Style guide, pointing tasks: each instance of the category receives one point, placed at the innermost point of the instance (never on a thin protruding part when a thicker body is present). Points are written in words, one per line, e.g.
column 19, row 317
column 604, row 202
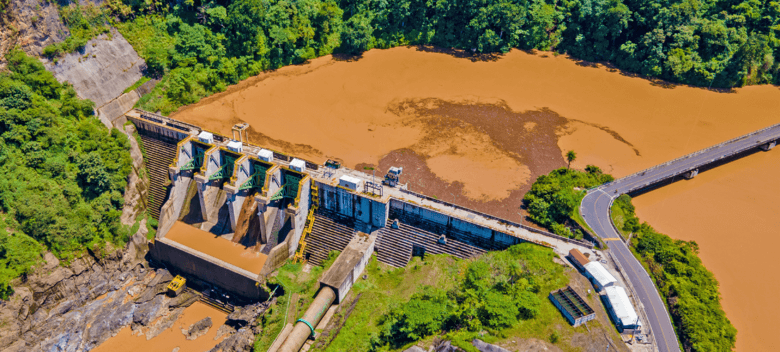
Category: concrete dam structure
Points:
column 231, row 213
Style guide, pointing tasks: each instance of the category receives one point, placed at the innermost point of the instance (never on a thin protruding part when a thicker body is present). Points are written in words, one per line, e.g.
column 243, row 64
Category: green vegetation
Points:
column 554, row 198
column 623, row 216
column 137, row 84
column 501, row 293
column 200, row 47
column 62, row 174
column 691, row 291
column 84, row 23
column 299, row 291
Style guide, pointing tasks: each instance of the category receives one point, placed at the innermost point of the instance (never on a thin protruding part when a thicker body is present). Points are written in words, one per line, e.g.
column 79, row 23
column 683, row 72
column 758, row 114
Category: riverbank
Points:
column 368, row 112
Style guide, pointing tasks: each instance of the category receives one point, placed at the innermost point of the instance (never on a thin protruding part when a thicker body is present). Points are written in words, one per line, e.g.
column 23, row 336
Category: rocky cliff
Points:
column 32, row 25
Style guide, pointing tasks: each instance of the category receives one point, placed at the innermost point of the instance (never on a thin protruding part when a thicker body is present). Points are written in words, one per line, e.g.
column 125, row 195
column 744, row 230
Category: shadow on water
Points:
column 702, row 169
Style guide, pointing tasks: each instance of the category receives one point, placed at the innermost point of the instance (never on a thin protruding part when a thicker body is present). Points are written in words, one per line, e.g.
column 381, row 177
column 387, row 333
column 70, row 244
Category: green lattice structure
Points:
column 226, row 170
column 196, row 162
column 256, row 180
column 291, row 186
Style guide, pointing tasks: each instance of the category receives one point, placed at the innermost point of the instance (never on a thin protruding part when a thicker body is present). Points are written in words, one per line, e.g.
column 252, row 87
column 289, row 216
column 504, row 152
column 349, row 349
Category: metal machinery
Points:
column 257, row 179
column 177, row 285
column 289, row 189
column 315, row 202
column 226, row 170
column 198, row 153
column 393, row 176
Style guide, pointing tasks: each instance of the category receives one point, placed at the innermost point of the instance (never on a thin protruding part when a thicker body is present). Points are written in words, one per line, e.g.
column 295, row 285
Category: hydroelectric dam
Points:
column 230, row 213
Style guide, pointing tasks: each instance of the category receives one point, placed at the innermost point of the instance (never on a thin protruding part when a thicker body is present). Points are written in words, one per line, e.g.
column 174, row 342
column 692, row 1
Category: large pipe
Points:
column 313, row 315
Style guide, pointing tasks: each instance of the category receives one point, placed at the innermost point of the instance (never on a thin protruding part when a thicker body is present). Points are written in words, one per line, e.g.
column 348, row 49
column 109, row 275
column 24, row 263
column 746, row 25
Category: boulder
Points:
column 199, row 329
column 146, row 312
column 414, row 349
column 241, row 341
column 486, row 347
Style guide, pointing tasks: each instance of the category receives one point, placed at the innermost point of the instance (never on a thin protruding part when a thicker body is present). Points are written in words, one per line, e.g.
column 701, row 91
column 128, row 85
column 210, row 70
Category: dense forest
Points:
column 690, row 290
column 62, row 173
column 199, row 47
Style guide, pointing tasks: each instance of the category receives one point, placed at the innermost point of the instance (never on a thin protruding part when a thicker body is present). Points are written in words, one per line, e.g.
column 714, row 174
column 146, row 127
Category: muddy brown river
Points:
column 478, row 133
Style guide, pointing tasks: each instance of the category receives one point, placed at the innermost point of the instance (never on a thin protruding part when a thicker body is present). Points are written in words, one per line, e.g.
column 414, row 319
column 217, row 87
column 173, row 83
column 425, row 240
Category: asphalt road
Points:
column 596, row 205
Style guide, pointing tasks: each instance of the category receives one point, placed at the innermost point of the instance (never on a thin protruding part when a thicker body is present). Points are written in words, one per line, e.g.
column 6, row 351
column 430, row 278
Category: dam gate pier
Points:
column 234, row 212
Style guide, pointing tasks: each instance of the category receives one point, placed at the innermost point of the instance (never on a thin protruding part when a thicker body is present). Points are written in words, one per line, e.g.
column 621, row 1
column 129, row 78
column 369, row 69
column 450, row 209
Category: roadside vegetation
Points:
column 498, row 295
column 200, row 47
column 690, row 290
column 62, row 173
column 554, row 198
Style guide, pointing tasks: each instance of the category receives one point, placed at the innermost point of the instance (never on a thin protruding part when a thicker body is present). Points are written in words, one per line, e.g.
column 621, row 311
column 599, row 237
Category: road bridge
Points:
column 595, row 209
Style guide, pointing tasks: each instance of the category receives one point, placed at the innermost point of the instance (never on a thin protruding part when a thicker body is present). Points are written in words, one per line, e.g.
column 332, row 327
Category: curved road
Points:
column 595, row 208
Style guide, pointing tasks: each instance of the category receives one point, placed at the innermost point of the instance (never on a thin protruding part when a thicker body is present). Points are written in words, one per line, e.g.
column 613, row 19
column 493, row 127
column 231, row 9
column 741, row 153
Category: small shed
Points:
column 620, row 308
column 599, row 275
column 206, row 137
column 578, row 259
column 265, row 155
column 349, row 265
column 298, row 165
column 573, row 307
column 236, row 146
column 350, row 182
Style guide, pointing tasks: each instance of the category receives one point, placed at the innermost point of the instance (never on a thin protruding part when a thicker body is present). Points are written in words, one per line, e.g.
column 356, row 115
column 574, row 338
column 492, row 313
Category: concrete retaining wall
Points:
column 365, row 209
column 170, row 211
column 214, row 271
column 442, row 221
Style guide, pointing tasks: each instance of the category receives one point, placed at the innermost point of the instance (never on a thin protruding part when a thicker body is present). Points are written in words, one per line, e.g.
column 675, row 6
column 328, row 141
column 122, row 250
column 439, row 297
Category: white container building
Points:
column 298, row 165
column 621, row 309
column 236, row 146
column 206, row 137
column 599, row 275
column 350, row 182
column 265, row 155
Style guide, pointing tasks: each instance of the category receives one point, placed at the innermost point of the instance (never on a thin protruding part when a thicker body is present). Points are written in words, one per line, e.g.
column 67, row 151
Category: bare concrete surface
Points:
column 102, row 70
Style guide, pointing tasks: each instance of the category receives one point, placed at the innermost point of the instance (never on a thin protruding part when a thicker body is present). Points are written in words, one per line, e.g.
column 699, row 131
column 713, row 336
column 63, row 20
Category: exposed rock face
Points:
column 102, row 69
column 31, row 24
column 242, row 328
column 414, row 349
column 198, row 329
column 56, row 308
column 486, row 347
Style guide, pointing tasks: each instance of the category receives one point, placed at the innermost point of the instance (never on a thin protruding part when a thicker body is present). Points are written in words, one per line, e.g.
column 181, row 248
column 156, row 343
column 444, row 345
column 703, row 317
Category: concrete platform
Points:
column 233, row 253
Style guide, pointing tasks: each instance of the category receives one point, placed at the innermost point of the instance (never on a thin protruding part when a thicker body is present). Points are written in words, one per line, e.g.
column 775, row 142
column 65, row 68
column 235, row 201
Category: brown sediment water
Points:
column 477, row 133
column 732, row 213
column 243, row 257
column 168, row 340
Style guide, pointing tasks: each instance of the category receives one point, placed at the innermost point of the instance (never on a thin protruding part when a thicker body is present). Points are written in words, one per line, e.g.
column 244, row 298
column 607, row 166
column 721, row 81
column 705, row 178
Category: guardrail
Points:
column 701, row 152
column 182, row 126
column 491, row 217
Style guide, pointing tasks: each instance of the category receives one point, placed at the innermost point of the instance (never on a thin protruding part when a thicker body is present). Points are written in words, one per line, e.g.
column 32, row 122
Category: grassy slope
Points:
column 385, row 286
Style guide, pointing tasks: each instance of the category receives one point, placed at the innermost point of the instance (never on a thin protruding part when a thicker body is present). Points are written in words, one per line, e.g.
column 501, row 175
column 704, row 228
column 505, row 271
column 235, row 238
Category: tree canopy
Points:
column 62, row 173
column 199, row 47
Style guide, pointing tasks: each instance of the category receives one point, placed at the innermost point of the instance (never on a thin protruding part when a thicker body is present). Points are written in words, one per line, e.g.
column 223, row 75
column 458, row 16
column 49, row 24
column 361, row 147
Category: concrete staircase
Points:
column 394, row 246
column 159, row 155
column 424, row 226
column 330, row 233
